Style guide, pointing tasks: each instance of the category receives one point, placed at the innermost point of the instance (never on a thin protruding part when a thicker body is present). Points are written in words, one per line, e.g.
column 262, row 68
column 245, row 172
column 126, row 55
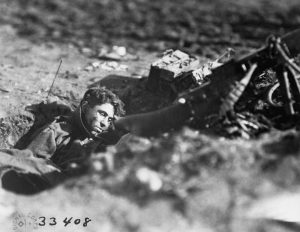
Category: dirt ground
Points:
column 198, row 182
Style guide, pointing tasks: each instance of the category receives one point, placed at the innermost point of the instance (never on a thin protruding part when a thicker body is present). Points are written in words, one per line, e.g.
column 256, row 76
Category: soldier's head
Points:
column 99, row 107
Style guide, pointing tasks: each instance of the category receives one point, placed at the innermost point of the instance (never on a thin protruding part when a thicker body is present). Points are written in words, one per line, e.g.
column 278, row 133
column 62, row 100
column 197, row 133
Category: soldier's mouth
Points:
column 98, row 130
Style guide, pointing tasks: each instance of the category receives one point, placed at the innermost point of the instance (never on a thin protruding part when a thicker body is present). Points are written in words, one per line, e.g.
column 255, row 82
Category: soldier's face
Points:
column 99, row 117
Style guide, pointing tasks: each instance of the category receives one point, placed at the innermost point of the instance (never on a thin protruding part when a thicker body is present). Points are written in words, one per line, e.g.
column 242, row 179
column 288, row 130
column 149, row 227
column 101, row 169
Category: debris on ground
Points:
column 282, row 207
column 92, row 66
column 199, row 74
column 68, row 75
column 4, row 90
column 116, row 53
column 12, row 128
column 106, row 65
column 149, row 178
column 242, row 125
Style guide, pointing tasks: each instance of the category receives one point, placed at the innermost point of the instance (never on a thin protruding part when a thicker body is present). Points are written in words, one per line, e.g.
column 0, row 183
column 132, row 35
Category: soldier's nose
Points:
column 104, row 123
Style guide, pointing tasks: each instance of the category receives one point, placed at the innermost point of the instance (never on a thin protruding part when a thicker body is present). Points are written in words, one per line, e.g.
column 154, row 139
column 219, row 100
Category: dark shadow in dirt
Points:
column 12, row 128
column 26, row 184
column 29, row 184
column 287, row 145
column 116, row 82
column 290, row 226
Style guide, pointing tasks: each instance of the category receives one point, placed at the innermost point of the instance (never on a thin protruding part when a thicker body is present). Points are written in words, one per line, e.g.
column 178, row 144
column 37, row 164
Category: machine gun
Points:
column 225, row 86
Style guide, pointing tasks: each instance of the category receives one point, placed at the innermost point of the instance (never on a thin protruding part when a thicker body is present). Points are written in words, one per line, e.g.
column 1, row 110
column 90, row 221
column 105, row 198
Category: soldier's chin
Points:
column 95, row 133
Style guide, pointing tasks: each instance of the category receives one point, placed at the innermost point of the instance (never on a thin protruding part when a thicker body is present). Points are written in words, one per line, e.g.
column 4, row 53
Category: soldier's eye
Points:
column 102, row 113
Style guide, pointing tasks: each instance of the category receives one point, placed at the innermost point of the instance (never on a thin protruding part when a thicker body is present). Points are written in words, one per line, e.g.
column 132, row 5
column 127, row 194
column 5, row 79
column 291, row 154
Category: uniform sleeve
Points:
column 35, row 158
column 44, row 144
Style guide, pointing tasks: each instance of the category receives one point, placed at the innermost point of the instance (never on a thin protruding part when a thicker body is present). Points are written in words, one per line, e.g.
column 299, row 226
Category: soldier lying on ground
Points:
column 64, row 144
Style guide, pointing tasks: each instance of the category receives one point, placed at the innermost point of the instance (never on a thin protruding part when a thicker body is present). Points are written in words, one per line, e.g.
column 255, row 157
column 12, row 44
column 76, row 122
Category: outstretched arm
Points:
column 152, row 123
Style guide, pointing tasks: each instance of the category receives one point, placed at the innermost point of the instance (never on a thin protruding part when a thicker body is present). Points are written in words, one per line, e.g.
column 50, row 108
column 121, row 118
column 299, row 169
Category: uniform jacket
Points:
column 65, row 143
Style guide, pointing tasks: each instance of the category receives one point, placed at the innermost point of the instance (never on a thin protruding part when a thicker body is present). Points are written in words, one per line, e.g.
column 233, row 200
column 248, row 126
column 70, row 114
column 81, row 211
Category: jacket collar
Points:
column 78, row 122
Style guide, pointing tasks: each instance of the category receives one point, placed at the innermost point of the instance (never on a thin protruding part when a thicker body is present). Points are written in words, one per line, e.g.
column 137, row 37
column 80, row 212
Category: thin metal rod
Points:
column 54, row 78
column 287, row 59
column 229, row 50
column 285, row 89
column 294, row 84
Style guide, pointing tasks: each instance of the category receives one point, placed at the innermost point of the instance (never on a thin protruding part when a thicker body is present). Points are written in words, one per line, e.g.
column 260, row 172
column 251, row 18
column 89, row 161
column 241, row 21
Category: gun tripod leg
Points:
column 285, row 89
column 294, row 84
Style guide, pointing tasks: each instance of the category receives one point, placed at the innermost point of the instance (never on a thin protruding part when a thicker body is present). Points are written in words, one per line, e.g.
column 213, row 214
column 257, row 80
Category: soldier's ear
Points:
column 84, row 105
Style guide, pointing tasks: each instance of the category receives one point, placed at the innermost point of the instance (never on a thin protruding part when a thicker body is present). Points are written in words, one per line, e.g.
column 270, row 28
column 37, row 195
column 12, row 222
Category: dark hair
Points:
column 101, row 95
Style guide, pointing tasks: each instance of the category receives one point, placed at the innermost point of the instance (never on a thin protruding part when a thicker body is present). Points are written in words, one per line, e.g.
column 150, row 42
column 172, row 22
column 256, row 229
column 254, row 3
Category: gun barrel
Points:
column 153, row 123
column 292, row 40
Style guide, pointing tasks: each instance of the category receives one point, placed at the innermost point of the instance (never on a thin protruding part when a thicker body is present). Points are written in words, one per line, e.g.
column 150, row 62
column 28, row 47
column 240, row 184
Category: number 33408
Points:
column 52, row 221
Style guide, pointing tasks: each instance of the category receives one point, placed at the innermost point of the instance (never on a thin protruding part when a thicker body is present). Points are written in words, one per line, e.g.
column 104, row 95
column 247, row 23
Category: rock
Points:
column 149, row 178
column 283, row 207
